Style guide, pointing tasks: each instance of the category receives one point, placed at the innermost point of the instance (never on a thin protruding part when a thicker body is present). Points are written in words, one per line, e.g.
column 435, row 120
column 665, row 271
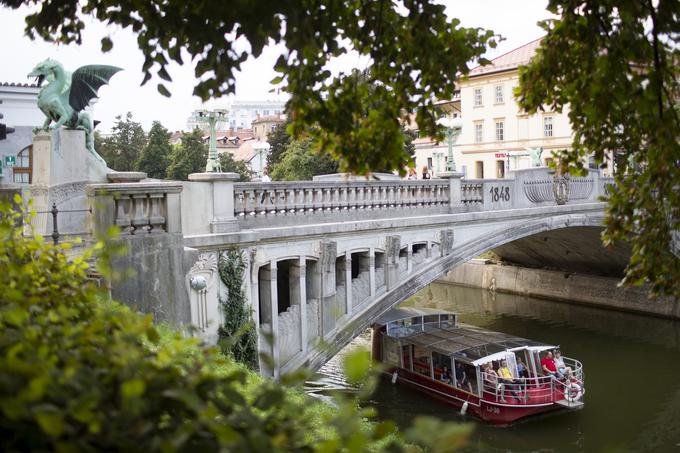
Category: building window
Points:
column 21, row 173
column 429, row 162
column 499, row 131
column 548, row 161
column 479, row 132
column 479, row 165
column 547, row 126
column 500, row 169
column 478, row 97
column 265, row 113
column 499, row 94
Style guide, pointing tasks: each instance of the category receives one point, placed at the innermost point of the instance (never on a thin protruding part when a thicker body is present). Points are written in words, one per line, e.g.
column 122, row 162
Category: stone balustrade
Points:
column 323, row 198
column 137, row 208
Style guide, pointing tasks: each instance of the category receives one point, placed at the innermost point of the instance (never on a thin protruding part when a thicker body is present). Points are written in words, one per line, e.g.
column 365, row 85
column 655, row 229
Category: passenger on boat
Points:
column 461, row 377
column 491, row 380
column 521, row 369
column 507, row 379
column 445, row 376
column 548, row 365
column 562, row 369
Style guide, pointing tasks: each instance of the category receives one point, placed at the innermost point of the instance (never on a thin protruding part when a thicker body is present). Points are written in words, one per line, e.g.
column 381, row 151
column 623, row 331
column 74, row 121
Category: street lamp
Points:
column 261, row 148
column 211, row 118
column 454, row 126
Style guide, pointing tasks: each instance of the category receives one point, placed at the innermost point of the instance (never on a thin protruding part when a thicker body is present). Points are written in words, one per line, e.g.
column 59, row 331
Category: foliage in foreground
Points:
column 615, row 64
column 79, row 373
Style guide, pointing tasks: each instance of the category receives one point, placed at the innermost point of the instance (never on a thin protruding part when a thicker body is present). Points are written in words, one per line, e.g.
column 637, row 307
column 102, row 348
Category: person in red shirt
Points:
column 548, row 364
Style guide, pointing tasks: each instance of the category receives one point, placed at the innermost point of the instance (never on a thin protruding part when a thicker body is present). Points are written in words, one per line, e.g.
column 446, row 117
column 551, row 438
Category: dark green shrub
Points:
column 81, row 373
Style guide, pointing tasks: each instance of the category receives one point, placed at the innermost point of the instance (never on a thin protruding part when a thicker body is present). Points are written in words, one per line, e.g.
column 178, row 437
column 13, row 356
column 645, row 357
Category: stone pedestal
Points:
column 62, row 168
column 221, row 199
column 455, row 200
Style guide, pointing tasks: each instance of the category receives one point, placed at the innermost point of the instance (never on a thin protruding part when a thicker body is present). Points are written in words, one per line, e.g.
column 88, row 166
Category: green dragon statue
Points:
column 63, row 99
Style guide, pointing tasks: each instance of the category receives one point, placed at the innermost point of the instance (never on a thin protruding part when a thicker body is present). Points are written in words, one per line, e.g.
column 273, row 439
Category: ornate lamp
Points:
column 211, row 118
column 454, row 126
column 261, row 148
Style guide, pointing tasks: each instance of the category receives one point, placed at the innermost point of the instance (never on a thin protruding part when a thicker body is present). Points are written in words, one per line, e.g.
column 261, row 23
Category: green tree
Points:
column 189, row 157
column 615, row 64
column 417, row 52
column 229, row 164
column 301, row 163
column 278, row 139
column 122, row 148
column 82, row 373
column 155, row 156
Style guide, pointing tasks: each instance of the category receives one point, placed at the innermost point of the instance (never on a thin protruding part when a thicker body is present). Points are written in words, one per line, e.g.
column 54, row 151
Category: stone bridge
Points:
column 325, row 258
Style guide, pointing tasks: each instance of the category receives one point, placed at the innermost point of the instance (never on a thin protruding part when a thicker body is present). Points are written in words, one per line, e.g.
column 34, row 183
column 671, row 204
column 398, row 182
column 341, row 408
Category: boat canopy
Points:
column 438, row 331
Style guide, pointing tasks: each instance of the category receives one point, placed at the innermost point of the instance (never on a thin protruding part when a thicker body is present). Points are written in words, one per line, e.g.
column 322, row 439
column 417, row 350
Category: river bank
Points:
column 591, row 290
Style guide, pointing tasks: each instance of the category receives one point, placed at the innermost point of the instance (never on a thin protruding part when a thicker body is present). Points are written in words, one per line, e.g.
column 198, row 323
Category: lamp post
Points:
column 454, row 126
column 211, row 118
column 261, row 148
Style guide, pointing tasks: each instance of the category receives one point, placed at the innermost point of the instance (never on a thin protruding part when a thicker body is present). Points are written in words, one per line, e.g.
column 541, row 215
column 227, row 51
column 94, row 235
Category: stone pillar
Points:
column 328, row 255
column 221, row 200
column 455, row 200
column 274, row 295
column 409, row 258
column 392, row 248
column 445, row 242
column 298, row 296
column 371, row 271
column 348, row 283
column 62, row 168
column 429, row 250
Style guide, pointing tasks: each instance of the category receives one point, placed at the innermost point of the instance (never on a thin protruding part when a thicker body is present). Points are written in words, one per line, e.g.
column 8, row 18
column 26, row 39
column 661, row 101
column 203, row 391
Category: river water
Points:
column 632, row 375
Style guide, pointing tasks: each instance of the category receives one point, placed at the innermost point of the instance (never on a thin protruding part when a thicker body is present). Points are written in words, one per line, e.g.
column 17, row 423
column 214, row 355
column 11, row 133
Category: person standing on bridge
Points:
column 426, row 172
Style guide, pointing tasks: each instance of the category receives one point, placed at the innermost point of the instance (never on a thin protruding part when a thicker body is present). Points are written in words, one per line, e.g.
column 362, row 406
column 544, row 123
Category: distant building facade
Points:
column 496, row 133
column 241, row 114
column 20, row 114
column 263, row 125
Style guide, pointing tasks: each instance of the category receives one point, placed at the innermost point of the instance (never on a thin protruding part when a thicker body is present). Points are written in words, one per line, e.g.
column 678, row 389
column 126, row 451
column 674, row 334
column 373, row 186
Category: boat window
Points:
column 421, row 361
column 390, row 351
column 431, row 319
column 439, row 361
column 447, row 321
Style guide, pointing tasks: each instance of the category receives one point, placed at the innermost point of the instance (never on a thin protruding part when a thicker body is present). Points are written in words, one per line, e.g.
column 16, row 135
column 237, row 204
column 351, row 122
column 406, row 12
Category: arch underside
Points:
column 565, row 242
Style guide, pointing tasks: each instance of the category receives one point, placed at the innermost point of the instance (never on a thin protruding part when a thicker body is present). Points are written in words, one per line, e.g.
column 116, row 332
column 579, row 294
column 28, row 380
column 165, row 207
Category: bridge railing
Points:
column 137, row 208
column 320, row 199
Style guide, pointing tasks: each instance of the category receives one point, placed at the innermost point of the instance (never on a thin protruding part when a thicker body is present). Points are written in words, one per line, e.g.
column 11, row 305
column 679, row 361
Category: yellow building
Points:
column 496, row 132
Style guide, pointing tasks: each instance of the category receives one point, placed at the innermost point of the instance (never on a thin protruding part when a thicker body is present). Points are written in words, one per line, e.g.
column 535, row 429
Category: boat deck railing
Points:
column 536, row 390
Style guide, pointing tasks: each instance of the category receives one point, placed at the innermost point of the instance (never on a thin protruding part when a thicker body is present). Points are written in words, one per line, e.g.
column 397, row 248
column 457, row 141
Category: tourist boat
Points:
column 416, row 345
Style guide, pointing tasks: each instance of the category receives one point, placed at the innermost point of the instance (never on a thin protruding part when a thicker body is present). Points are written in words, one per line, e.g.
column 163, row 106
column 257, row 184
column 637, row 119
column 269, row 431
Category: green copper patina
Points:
column 63, row 99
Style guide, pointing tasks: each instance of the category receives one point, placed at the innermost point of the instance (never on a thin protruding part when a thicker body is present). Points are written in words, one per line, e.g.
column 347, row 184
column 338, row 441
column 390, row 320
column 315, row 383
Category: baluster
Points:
column 250, row 203
column 124, row 213
column 157, row 202
column 140, row 219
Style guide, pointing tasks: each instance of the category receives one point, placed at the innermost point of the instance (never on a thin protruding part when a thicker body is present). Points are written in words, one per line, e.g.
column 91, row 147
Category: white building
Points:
column 496, row 133
column 19, row 108
column 241, row 114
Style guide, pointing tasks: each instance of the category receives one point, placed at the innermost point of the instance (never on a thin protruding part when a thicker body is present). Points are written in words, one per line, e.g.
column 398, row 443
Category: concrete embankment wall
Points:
column 578, row 288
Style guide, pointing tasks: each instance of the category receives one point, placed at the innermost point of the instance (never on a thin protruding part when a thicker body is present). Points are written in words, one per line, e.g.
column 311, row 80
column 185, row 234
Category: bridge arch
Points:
column 436, row 268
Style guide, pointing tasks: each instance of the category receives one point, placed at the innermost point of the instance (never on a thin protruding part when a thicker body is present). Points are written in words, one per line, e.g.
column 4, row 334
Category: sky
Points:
column 515, row 20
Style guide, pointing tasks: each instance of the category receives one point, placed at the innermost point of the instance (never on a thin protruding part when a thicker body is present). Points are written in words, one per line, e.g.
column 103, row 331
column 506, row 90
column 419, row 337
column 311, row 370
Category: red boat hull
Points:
column 486, row 408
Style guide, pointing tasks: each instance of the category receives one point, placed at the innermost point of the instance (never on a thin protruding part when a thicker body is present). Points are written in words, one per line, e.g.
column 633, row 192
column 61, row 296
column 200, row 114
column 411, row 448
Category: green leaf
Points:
column 162, row 90
column 356, row 365
column 50, row 422
column 107, row 44
column 133, row 388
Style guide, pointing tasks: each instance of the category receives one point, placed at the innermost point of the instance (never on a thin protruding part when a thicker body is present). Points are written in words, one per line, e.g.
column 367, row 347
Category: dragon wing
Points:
column 85, row 83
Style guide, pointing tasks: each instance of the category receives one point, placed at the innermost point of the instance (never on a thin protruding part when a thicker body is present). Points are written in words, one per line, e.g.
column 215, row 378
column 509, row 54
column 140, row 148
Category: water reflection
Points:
column 632, row 366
